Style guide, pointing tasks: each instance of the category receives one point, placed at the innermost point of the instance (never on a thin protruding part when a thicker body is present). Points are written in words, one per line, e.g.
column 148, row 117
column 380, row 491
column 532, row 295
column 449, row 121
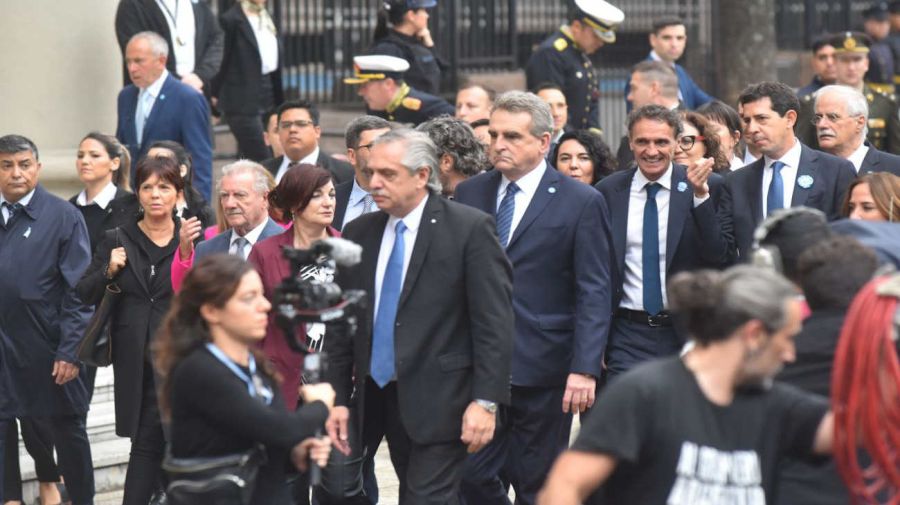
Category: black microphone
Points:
column 313, row 363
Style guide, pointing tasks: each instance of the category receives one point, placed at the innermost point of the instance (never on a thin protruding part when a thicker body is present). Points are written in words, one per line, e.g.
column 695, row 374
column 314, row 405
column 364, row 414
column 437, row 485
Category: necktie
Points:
column 653, row 302
column 381, row 366
column 140, row 115
column 505, row 213
column 368, row 202
column 775, row 198
column 240, row 245
column 11, row 210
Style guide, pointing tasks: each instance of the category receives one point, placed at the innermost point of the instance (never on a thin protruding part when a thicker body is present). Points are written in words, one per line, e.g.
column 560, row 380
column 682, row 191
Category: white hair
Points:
column 158, row 44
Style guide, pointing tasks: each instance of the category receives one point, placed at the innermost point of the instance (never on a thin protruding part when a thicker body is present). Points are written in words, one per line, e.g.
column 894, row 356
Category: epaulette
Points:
column 877, row 123
column 412, row 103
column 560, row 44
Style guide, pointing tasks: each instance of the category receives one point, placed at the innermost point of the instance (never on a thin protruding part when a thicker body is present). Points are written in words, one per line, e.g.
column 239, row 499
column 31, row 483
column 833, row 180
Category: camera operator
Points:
column 306, row 196
column 219, row 393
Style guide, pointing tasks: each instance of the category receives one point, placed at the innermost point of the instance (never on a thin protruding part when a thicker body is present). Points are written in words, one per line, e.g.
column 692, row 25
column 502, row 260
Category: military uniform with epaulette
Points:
column 413, row 106
column 559, row 61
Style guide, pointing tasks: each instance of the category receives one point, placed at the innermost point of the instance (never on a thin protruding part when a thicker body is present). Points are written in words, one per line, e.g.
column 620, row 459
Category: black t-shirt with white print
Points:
column 673, row 446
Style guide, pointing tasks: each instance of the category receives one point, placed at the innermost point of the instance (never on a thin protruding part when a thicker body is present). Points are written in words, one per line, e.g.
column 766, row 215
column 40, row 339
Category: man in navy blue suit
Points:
column 668, row 40
column 158, row 106
column 789, row 174
column 663, row 221
column 556, row 234
column 352, row 198
column 841, row 116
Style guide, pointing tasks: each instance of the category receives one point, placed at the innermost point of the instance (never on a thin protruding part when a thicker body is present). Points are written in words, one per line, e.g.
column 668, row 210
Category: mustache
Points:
column 826, row 131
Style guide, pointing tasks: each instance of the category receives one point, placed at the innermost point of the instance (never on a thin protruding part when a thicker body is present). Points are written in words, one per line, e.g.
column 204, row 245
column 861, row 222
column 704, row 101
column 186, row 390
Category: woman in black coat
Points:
column 218, row 392
column 249, row 80
column 137, row 257
column 402, row 31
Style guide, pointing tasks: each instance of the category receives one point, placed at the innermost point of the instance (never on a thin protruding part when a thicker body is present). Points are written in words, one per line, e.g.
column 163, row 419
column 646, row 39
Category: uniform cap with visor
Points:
column 602, row 16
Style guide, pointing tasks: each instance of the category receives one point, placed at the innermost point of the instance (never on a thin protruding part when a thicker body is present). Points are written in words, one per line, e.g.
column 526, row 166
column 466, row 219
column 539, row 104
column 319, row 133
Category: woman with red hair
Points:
column 866, row 394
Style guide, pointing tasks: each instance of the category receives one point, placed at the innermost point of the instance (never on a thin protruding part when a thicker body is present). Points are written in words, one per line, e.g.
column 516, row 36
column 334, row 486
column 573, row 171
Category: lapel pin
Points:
column 551, row 190
column 162, row 97
column 27, row 232
column 682, row 187
column 805, row 181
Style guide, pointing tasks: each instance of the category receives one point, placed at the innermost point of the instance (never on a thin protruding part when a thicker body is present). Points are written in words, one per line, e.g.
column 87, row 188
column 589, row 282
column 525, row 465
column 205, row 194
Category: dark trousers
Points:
column 69, row 435
column 632, row 343
column 248, row 131
column 530, row 434
column 342, row 478
column 429, row 474
column 144, row 476
column 39, row 443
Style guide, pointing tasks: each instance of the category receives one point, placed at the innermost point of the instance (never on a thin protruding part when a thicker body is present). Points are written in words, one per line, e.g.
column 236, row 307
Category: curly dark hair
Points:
column 605, row 162
column 455, row 137
column 711, row 143
column 212, row 281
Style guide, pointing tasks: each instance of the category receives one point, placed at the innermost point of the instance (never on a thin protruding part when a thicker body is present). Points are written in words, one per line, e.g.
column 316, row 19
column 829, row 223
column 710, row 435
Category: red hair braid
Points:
column 865, row 389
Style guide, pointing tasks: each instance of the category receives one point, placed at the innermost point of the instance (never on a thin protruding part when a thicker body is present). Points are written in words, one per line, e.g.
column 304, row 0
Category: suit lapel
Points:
column 618, row 205
column 755, row 189
column 130, row 133
column 870, row 161
column 158, row 104
column 680, row 203
column 806, row 168
column 431, row 215
column 545, row 192
column 371, row 244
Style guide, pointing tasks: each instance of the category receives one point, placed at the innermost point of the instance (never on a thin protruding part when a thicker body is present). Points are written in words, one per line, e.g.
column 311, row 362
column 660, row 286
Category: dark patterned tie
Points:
column 11, row 209
column 505, row 213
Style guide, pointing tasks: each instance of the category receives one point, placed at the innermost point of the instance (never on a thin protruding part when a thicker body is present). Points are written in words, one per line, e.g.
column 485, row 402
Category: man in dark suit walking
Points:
column 663, row 222
column 841, row 116
column 159, row 107
column 431, row 359
column 556, row 233
column 789, row 174
column 352, row 198
column 299, row 132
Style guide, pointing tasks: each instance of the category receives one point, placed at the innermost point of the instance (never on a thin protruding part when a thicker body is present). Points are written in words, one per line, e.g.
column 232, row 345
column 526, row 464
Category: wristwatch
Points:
column 487, row 405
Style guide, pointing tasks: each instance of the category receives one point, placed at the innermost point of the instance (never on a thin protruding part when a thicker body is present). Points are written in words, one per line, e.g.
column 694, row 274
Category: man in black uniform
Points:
column 386, row 94
column 823, row 66
column 881, row 60
column 563, row 59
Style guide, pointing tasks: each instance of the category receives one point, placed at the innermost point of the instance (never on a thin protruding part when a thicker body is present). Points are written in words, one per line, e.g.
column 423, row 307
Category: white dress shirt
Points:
column 24, row 201
column 791, row 160
column 633, row 286
column 106, row 195
column 858, row 156
column 146, row 99
column 267, row 43
column 252, row 237
column 181, row 28
column 528, row 185
column 736, row 163
column 356, row 203
column 412, row 222
column 310, row 158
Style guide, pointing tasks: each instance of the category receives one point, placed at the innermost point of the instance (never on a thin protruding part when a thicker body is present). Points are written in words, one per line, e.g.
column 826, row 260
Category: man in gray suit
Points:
column 242, row 190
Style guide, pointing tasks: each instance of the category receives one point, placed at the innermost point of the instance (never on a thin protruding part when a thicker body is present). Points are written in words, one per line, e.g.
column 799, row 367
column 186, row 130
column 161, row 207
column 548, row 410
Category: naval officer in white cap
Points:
column 381, row 85
column 563, row 59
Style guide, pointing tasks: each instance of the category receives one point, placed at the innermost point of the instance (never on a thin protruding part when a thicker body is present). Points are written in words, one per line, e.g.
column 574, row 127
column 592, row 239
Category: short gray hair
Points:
column 854, row 101
column 361, row 124
column 261, row 176
column 12, row 144
column 420, row 153
column 455, row 137
column 158, row 44
column 520, row 101
column 657, row 71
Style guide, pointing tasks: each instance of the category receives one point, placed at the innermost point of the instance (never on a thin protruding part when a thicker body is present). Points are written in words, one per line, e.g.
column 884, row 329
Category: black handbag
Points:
column 222, row 480
column 96, row 347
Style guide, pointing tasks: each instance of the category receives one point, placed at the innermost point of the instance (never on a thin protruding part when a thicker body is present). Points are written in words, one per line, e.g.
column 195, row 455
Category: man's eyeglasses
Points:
column 831, row 117
column 687, row 142
column 300, row 123
column 365, row 146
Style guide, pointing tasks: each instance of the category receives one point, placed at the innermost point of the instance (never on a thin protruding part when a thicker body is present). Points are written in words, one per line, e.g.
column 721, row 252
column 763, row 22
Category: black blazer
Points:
column 695, row 237
column 99, row 220
column 139, row 310
column 134, row 16
column 341, row 171
column 341, row 200
column 879, row 161
column 741, row 203
column 237, row 85
column 454, row 326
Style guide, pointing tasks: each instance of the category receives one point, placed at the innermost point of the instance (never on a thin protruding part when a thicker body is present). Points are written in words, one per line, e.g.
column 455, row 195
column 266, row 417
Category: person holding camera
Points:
column 219, row 393
column 306, row 196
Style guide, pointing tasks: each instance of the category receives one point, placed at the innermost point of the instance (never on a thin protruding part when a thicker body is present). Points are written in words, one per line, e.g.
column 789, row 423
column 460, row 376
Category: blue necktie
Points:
column 11, row 210
column 775, row 198
column 653, row 301
column 505, row 213
column 381, row 366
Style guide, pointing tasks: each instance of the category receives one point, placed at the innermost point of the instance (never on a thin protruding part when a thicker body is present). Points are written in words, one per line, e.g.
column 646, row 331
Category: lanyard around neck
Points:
column 254, row 384
column 174, row 17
